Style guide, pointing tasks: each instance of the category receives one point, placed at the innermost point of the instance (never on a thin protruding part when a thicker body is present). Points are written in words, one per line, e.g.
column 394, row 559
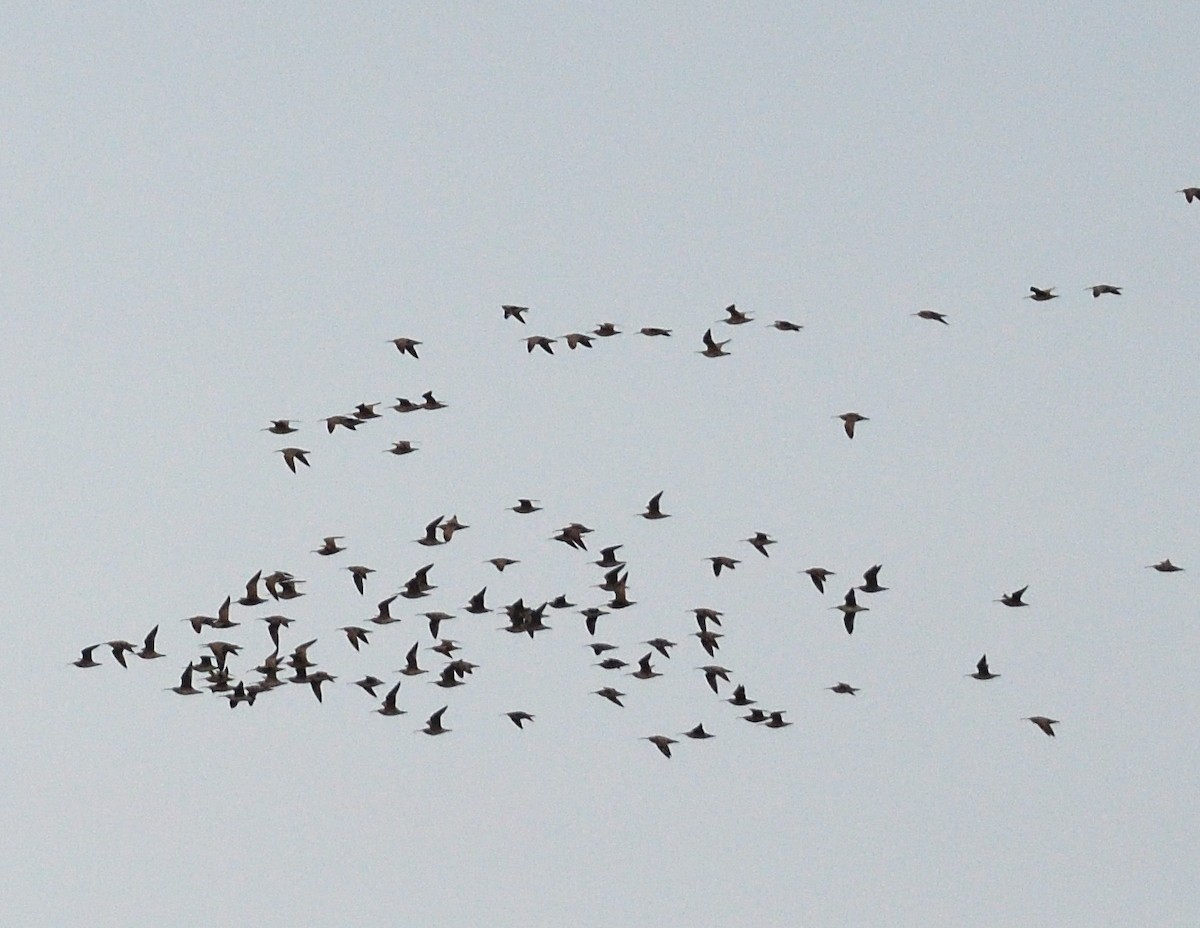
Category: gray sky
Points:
column 216, row 216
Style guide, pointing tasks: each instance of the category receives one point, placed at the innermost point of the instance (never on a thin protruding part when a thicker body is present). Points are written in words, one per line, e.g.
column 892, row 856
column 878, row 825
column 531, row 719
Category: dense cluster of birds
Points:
column 212, row 667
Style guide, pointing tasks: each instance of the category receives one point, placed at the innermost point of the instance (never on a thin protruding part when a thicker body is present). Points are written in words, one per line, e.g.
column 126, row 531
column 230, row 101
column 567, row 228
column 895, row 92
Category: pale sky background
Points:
column 217, row 215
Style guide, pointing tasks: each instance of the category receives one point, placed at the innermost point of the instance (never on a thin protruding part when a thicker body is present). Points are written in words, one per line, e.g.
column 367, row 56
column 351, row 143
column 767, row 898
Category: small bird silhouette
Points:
column 652, row 508
column 1014, row 598
column 281, row 427
column 698, row 733
column 714, row 349
column 1101, row 289
column 1041, row 295
column 405, row 345
column 818, row 575
column 849, row 609
column 434, row 725
column 849, row 419
column 1191, row 193
column 612, row 695
column 389, row 707
column 401, row 447
column 932, row 316
column 721, row 562
column 515, row 312
column 539, row 341
column 525, row 506
column 662, row 742
column 519, row 718
column 843, row 688
column 784, row 326
column 871, row 580
column 734, row 316
column 330, row 546
column 1043, row 723
column 761, row 540
column 292, row 455
column 1164, row 567
column 981, row 670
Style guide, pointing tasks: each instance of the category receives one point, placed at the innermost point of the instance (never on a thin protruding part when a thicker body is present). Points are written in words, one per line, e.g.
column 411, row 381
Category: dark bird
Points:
column 252, row 598
column 501, row 562
column 406, row 405
column 369, row 684
column 735, row 316
column 575, row 339
column 515, row 312
column 185, row 687
column 147, row 653
column 519, row 718
column 612, row 663
column 606, row 330
column 573, row 535
column 652, row 508
column 410, row 668
column 435, row 621
column 449, row 678
column 590, row 615
column 981, row 670
column 1014, row 598
column 849, row 609
column 932, row 316
column 661, row 645
column 359, row 573
column 645, row 671
column 446, row 647
column 120, row 649
column 431, row 402
column 281, row 427
column 608, row 557
column 739, row 697
column 1039, row 295
column 1191, row 193
column 405, row 345
column 600, row 647
column 364, row 411
column 430, row 537
column 274, row 623
column 401, row 447
column 475, row 604
column 1101, row 289
column 761, row 540
column 292, row 455
column 86, row 659
column 1164, row 567
column 698, row 732
column 871, row 580
column 539, row 341
column 662, row 742
column 355, row 635
column 784, row 326
column 1043, row 723
column 450, row 526
column 709, row 641
column 756, row 715
column 844, row 688
column 721, row 562
column 525, row 506
column 389, row 706
column 316, row 680
column 776, row 721
column 818, row 576
column 330, row 546
column 653, row 330
column 704, row 615
column 384, row 616
column 714, row 349
column 849, row 419
column 346, row 422
column 612, row 695
column 434, row 725
column 713, row 672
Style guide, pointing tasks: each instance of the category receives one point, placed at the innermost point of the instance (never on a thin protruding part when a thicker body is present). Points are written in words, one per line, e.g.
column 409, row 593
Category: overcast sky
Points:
column 218, row 215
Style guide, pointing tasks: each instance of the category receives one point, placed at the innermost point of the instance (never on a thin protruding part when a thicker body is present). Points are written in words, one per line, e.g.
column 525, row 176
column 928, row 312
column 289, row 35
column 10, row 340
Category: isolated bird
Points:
column 519, row 718
column 1164, row 567
column 843, row 688
column 645, row 671
column 120, row 649
column 600, row 647
column 389, row 706
column 818, row 576
column 849, row 609
column 434, row 725
column 871, row 580
column 761, row 540
column 403, row 404
column 849, row 419
column 515, row 312
column 662, row 742
column 475, row 604
column 274, row 623
column 292, row 455
column 1040, row 295
column 281, row 427
column 1191, row 193
column 721, row 562
column 735, row 316
column 652, row 508
column 612, row 695
column 430, row 537
column 401, row 447
column 525, row 506
column 369, row 683
column 714, row 349
column 435, row 621
column 981, row 670
column 405, row 345
column 383, row 615
column 330, row 546
column 709, row 641
column 784, row 326
column 86, row 659
column 1101, row 289
column 360, row 575
column 756, row 715
column 932, row 316
column 1014, row 598
column 1043, row 723
column 539, row 341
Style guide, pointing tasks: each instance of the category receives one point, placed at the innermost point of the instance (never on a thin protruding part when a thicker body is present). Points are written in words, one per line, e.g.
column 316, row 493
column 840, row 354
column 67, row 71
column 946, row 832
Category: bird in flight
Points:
column 519, row 718
column 1043, row 723
column 734, row 316
column 1191, row 193
column 871, row 580
column 849, row 609
column 721, row 562
column 849, row 419
column 761, row 540
column 515, row 312
column 292, row 455
column 714, row 349
column 932, row 316
column 434, row 725
column 1041, row 295
column 405, row 345
column 652, row 508
column 1101, row 289
column 818, row 576
column 281, row 427
column 784, row 326
column 662, row 742
column 1014, row 598
column 1164, row 567
column 330, row 546
column 844, row 688
column 982, row 672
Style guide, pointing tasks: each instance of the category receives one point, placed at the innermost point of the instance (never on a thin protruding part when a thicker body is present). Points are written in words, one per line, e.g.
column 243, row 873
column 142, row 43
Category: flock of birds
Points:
column 212, row 667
